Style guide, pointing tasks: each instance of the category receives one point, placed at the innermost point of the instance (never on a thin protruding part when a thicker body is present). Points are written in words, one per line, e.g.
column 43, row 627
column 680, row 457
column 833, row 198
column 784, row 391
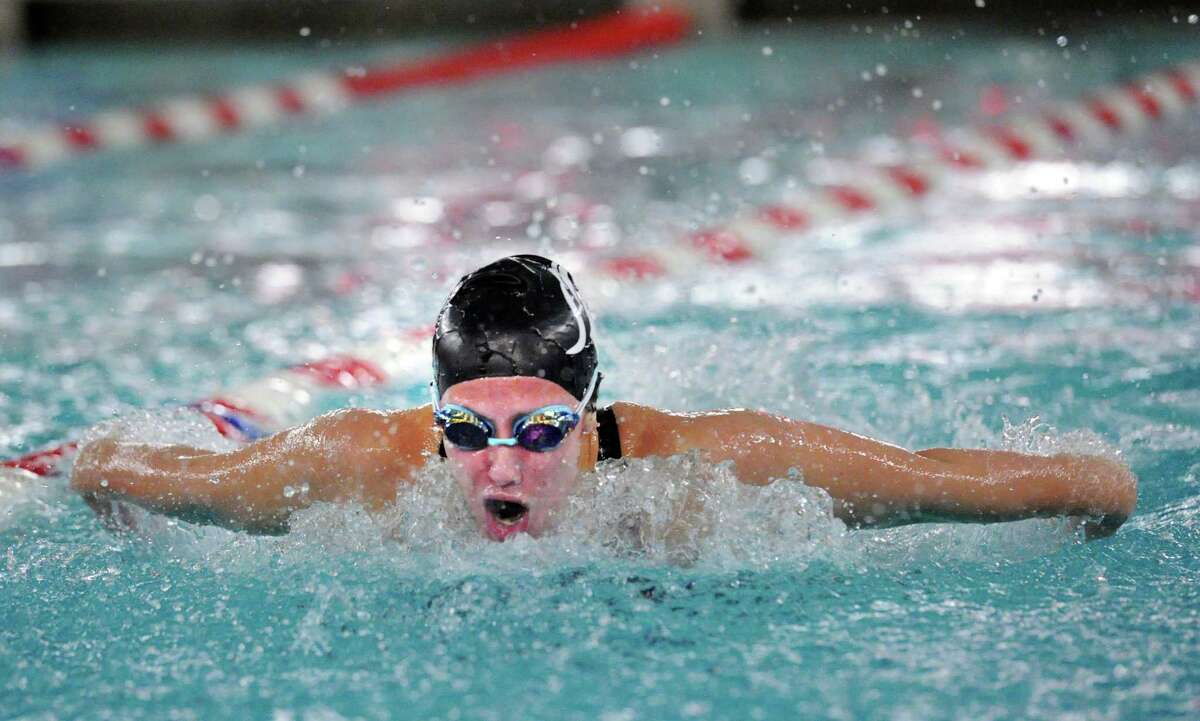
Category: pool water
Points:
column 1050, row 307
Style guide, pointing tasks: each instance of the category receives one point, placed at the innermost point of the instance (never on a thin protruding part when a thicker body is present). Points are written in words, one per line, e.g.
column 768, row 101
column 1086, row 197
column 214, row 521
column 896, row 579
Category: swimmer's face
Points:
column 510, row 489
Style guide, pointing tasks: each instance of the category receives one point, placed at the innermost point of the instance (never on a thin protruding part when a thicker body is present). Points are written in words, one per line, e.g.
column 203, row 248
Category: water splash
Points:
column 659, row 512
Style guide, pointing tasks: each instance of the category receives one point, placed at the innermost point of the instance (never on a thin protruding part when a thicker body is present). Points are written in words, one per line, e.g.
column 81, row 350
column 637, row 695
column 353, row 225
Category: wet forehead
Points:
column 503, row 398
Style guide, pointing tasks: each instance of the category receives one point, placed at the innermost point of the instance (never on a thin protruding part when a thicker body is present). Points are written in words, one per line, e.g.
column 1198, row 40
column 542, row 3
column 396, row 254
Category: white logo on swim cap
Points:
column 575, row 303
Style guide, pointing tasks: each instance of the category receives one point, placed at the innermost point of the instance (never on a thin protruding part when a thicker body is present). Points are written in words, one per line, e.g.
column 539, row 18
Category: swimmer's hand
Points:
column 93, row 487
column 1100, row 493
column 352, row 455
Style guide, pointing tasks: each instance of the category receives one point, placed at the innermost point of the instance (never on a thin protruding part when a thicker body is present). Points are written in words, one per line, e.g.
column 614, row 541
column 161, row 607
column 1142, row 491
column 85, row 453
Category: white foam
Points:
column 676, row 511
column 176, row 426
column 19, row 491
column 1039, row 438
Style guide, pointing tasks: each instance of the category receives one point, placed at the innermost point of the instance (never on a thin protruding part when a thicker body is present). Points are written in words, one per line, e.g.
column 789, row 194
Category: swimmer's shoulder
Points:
column 646, row 431
column 389, row 444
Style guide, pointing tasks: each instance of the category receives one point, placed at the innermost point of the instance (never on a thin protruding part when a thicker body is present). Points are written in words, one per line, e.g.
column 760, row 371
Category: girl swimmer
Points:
column 514, row 412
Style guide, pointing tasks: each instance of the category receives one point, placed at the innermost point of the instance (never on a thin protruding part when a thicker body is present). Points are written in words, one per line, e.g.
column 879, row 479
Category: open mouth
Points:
column 508, row 513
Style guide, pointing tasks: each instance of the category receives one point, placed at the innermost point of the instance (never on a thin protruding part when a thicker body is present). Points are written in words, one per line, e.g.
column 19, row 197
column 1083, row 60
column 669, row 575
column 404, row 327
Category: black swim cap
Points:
column 519, row 316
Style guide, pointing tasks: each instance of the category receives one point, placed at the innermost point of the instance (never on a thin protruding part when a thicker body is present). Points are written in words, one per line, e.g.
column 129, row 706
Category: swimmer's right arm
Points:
column 350, row 455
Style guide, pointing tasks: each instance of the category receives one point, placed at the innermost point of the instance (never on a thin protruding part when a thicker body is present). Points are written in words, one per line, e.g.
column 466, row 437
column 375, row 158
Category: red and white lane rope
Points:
column 201, row 117
column 1097, row 120
column 284, row 398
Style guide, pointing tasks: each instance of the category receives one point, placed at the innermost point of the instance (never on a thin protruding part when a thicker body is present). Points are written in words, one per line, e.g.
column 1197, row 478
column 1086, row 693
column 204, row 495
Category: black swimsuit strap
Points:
column 606, row 426
column 610, row 436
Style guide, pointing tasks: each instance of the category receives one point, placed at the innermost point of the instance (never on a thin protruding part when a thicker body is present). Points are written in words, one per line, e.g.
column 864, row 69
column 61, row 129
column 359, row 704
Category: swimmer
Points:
column 514, row 412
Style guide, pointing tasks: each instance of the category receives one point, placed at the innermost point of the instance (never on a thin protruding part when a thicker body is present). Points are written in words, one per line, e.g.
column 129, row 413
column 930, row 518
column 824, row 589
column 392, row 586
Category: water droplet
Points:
column 768, row 50
column 1062, row 41
column 289, row 492
column 664, row 101
column 305, row 32
column 880, row 69
column 104, row 483
column 207, row 208
column 1193, row 19
column 980, row 3
column 755, row 171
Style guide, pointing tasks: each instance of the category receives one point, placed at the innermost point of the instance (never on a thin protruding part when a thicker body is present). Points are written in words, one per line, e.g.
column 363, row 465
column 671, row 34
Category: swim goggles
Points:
column 539, row 431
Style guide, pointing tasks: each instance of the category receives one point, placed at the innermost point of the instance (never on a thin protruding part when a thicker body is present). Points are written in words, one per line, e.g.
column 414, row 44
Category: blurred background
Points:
column 39, row 21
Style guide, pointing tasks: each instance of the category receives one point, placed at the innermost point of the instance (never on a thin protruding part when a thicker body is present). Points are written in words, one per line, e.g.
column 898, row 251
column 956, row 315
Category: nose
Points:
column 505, row 465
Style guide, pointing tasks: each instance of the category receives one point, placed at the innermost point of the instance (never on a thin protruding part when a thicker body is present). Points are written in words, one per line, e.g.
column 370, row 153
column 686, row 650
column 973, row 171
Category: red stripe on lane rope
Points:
column 607, row 36
column 229, row 425
column 912, row 181
column 634, row 267
column 722, row 244
column 225, row 113
column 42, row 463
column 1182, row 84
column 783, row 217
column 962, row 158
column 1061, row 127
column 850, row 198
column 289, row 99
column 343, row 371
column 224, row 427
column 1104, row 113
column 1016, row 147
column 1192, row 290
column 219, row 405
column 11, row 157
column 1148, row 102
column 80, row 136
column 420, row 333
column 157, row 128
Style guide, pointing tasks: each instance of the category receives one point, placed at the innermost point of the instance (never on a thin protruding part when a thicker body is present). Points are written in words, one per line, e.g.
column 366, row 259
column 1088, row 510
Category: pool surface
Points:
column 1055, row 306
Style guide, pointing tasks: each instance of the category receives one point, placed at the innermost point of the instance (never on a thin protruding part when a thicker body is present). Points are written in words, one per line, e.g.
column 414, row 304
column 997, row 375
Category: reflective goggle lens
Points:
column 541, row 437
column 466, row 436
column 540, row 431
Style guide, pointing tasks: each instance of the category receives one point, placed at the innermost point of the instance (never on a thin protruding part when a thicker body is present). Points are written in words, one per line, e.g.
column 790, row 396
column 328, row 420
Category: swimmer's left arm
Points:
column 879, row 484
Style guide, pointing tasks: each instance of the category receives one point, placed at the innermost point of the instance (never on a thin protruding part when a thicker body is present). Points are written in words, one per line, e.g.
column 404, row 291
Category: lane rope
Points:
column 1094, row 121
column 200, row 117
column 284, row 398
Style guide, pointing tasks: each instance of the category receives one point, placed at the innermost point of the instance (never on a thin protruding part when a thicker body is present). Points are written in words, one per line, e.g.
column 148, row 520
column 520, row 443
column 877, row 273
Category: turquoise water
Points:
column 1039, row 309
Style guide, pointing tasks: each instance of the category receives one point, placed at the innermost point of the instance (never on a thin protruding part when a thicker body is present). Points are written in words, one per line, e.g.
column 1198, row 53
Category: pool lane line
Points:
column 199, row 117
column 284, row 398
column 1098, row 119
